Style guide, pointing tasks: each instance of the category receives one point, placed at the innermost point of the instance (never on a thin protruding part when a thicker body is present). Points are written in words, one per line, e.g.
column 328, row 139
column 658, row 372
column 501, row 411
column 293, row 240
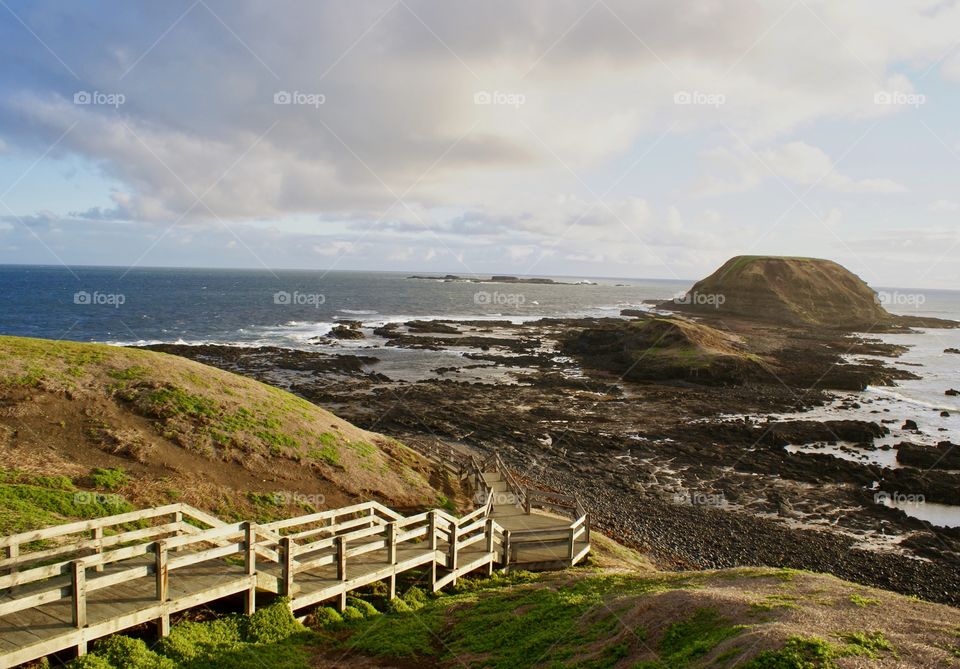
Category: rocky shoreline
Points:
column 702, row 487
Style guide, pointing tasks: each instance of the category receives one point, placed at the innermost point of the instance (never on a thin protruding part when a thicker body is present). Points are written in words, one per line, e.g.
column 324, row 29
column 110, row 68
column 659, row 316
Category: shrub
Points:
column 415, row 598
column 108, row 479
column 351, row 614
column 189, row 641
column 397, row 605
column 272, row 624
column 324, row 616
column 89, row 662
column 366, row 608
column 123, row 652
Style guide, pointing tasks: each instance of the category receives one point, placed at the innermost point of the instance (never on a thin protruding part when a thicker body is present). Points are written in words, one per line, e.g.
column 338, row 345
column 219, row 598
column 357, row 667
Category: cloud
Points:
column 382, row 148
column 797, row 162
column 944, row 207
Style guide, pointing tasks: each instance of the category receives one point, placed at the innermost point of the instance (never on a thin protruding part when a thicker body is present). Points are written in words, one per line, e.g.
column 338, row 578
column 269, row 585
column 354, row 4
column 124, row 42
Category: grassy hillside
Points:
column 808, row 291
column 656, row 348
column 175, row 430
column 748, row 618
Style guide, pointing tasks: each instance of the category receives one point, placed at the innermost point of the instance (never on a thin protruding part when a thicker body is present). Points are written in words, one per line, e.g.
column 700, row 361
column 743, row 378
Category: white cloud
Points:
column 945, row 207
column 796, row 162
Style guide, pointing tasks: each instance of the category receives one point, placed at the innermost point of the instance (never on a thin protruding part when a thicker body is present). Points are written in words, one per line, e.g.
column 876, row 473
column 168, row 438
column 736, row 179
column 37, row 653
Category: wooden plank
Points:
column 206, row 555
column 287, row 573
column 31, row 601
column 86, row 525
column 110, row 580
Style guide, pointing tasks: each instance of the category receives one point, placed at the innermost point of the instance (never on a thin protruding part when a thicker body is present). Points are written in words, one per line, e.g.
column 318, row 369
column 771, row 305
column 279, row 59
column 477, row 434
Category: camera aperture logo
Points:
column 499, row 299
column 298, row 299
column 700, row 98
column 286, row 497
column 898, row 299
column 901, row 98
column 502, row 98
column 697, row 498
column 715, row 300
column 898, row 499
column 97, row 298
column 99, row 98
column 299, row 98
column 85, row 497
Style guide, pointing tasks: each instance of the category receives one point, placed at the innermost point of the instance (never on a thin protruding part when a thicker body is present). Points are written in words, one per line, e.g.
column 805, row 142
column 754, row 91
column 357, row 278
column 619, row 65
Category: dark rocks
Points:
column 944, row 414
column 952, row 350
column 438, row 327
column 909, row 425
column 952, row 393
column 346, row 332
column 944, row 455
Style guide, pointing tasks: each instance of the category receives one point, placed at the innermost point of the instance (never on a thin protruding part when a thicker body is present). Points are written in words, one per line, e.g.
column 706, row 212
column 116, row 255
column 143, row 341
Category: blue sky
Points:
column 596, row 138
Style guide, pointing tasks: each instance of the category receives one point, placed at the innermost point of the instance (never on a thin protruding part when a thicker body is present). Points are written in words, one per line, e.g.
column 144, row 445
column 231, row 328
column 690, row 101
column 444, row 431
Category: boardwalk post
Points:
column 250, row 566
column 526, row 503
column 392, row 556
column 286, row 567
column 78, row 573
column 13, row 551
column 452, row 555
column 342, row 569
column 506, row 548
column 163, row 582
column 587, row 516
column 572, row 547
column 96, row 534
column 373, row 515
column 178, row 519
column 489, row 531
column 432, row 536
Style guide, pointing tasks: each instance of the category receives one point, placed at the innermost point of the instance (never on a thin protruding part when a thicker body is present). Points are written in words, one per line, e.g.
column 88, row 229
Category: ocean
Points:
column 282, row 308
column 294, row 308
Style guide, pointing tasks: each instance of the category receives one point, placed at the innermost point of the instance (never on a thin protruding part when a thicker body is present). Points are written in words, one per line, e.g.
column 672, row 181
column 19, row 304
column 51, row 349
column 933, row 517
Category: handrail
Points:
column 180, row 535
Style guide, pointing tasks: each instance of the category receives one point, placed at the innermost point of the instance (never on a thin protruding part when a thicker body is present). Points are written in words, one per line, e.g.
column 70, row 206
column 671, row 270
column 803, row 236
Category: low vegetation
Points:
column 584, row 618
column 143, row 423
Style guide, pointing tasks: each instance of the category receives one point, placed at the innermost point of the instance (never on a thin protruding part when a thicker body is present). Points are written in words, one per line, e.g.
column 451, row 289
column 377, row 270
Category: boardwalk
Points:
column 67, row 585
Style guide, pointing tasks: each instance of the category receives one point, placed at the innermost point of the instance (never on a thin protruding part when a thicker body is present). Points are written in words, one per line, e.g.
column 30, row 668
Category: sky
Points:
column 537, row 137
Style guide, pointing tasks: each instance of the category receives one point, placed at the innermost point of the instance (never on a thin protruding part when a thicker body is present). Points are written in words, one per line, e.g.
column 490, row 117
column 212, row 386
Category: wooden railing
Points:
column 73, row 561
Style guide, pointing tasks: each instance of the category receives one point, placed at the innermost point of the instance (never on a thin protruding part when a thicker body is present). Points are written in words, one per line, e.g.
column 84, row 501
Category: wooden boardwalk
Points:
column 67, row 585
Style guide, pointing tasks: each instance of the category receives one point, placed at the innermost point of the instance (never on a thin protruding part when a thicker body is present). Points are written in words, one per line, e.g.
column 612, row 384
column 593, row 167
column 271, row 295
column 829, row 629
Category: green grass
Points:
column 686, row 641
column 863, row 602
column 816, row 653
column 30, row 502
column 487, row 625
column 172, row 401
column 134, row 373
column 109, row 479
column 327, row 453
column 269, row 638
